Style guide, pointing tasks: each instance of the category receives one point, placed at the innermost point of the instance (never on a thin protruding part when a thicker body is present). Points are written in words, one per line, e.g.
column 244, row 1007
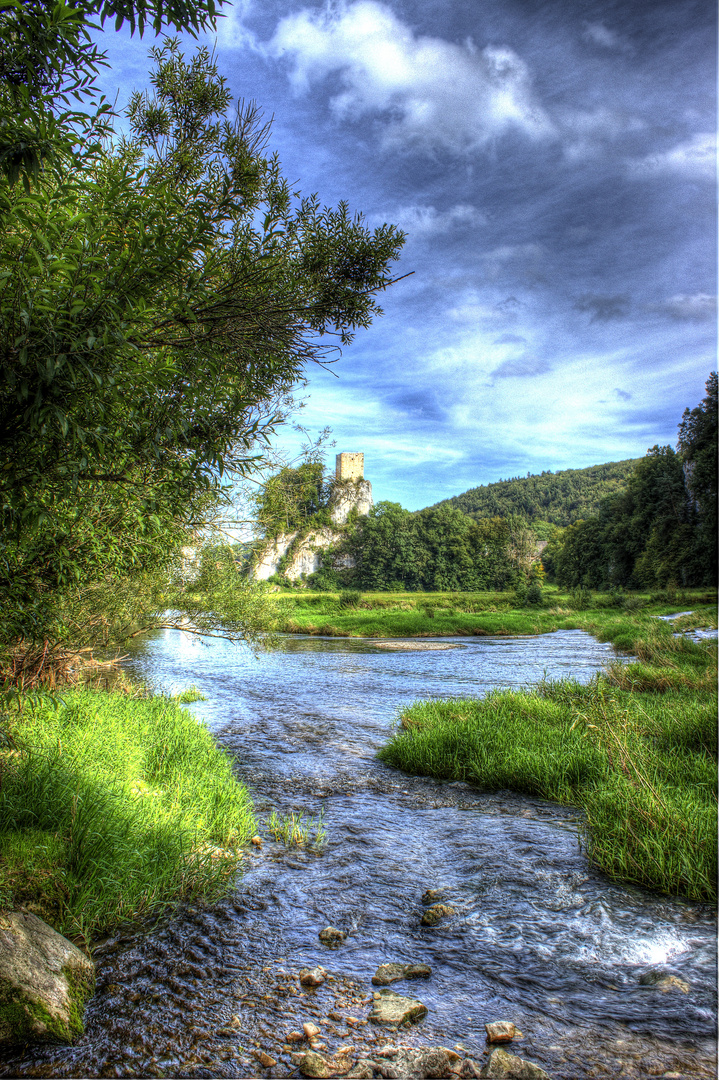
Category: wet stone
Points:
column 392, row 1008
column 313, row 976
column 662, row 980
column 433, row 896
column 264, row 1059
column 389, row 973
column 332, row 936
column 362, row 1070
column 313, row 1064
column 501, row 1031
column 504, row 1066
column 436, row 913
column 311, row 1030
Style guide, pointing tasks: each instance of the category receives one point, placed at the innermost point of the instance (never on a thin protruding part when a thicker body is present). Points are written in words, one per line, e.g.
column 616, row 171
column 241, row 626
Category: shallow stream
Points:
column 538, row 937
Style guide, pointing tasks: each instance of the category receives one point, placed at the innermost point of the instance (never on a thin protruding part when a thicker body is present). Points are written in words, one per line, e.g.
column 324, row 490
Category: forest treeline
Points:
column 559, row 498
column 654, row 525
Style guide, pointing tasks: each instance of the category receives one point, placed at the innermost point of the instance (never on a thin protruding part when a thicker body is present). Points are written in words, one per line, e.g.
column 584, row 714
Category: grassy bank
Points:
column 113, row 806
column 636, row 750
column 475, row 614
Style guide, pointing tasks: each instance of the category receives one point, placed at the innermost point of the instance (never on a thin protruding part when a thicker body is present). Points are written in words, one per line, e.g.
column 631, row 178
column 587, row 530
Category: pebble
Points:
column 310, row 1030
column 313, row 976
column 500, row 1031
column 332, row 936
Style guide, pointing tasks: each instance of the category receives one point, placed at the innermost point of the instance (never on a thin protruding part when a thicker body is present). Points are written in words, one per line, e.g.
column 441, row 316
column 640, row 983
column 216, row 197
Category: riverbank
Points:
column 113, row 807
column 636, row 750
column 499, row 614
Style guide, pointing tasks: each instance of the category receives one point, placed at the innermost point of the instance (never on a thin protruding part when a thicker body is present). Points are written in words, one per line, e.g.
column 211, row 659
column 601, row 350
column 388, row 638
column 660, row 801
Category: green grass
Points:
column 295, row 830
column 112, row 807
column 479, row 614
column 636, row 750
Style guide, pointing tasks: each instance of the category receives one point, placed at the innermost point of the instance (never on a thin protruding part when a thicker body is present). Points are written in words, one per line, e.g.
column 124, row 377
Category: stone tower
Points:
column 349, row 467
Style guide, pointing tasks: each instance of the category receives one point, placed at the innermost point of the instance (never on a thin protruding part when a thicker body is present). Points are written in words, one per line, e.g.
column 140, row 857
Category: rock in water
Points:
column 332, row 936
column 313, row 976
column 504, row 1066
column 432, row 896
column 313, row 1064
column 390, row 1008
column 45, row 982
column 389, row 973
column 501, row 1031
column 662, row 980
column 435, row 913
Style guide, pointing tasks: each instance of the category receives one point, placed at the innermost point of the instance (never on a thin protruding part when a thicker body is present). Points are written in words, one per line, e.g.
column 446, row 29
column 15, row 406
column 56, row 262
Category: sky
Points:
column 552, row 163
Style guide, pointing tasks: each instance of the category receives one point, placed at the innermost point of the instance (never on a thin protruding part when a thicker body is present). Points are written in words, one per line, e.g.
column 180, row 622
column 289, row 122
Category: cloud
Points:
column 603, row 308
column 431, row 93
column 695, row 158
column 525, row 367
column 421, row 222
column 510, row 339
column 623, row 395
column 699, row 306
column 596, row 33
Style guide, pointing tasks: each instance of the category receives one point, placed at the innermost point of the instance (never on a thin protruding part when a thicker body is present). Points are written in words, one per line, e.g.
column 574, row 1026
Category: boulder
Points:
column 45, row 982
column 436, row 913
column 504, row 1066
column 313, row 976
column 390, row 1008
column 362, row 1070
column 332, row 936
column 389, row 973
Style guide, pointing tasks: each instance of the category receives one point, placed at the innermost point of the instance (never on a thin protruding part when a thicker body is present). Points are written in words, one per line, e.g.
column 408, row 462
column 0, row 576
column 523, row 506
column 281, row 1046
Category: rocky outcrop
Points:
column 45, row 982
column 348, row 496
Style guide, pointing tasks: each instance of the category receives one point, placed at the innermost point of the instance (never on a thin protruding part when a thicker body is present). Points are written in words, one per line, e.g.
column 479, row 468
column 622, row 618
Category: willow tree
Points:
column 158, row 296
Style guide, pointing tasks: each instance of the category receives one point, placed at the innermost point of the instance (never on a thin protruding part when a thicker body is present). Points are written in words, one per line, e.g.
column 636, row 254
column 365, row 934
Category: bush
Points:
column 350, row 598
column 534, row 594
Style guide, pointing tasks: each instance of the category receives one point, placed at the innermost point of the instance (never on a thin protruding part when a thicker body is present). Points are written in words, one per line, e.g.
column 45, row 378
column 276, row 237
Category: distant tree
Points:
column 697, row 446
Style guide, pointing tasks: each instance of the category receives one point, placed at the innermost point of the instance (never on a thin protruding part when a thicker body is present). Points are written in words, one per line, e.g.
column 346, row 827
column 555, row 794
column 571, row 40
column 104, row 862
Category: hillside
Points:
column 559, row 498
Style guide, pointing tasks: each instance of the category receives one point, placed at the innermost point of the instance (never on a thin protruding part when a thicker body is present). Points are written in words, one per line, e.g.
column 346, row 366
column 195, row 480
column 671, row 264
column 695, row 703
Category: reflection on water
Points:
column 537, row 937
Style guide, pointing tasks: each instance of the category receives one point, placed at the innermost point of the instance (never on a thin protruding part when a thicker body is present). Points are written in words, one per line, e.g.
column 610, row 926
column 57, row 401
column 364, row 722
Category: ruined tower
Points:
column 349, row 467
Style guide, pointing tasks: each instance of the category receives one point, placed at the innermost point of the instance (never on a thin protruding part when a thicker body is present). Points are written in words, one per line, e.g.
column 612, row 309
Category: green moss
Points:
column 81, row 986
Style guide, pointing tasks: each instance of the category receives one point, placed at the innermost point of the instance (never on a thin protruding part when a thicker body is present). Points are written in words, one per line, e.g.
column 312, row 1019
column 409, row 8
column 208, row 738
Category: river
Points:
column 538, row 936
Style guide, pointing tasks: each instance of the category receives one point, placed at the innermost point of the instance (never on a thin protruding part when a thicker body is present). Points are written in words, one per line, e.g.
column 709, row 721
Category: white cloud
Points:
column 694, row 158
column 433, row 93
column 420, row 222
column 596, row 33
column 231, row 30
column 698, row 306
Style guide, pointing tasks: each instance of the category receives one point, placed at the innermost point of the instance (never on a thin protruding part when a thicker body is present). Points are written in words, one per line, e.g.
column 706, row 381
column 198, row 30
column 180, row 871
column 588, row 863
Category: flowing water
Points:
column 537, row 937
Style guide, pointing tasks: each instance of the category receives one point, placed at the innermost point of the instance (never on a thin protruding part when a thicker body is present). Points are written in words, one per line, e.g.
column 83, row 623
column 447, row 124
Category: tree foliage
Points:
column 559, row 498
column 662, row 529
column 156, row 303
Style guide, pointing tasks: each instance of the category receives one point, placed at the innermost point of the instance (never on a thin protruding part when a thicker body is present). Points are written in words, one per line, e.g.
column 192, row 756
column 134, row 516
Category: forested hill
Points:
column 560, row 498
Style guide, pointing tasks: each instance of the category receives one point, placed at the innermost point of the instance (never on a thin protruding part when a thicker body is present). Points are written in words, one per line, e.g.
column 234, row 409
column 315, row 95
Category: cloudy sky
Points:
column 553, row 165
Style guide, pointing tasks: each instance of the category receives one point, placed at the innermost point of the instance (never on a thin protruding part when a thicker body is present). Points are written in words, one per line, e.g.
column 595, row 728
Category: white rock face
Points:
column 306, row 558
column 348, row 495
column 266, row 564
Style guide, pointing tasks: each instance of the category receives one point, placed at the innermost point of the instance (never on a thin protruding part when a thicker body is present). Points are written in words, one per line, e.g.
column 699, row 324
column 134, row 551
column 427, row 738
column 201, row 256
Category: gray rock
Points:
column 389, row 973
column 332, row 936
column 362, row 1070
column 313, row 1064
column 45, row 982
column 662, row 980
column 436, row 913
column 504, row 1066
column 390, row 1008
column 419, row 1063
column 313, row 976
column 470, row 1069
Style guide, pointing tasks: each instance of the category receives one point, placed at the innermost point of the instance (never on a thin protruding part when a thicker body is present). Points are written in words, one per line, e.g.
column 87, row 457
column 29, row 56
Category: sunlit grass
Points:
column 296, row 830
column 112, row 807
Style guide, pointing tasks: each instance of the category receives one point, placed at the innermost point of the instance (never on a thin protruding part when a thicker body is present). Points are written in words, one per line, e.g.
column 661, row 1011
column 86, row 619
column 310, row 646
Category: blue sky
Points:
column 553, row 165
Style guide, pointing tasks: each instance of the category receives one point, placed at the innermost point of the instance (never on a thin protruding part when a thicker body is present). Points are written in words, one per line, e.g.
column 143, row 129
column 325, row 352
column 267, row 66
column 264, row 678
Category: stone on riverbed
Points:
column 332, row 936
column 501, row 1031
column 436, row 913
column 45, row 982
column 432, row 896
column 504, row 1066
column 391, row 1008
column 662, row 980
column 313, row 1064
column 389, row 973
column 313, row 976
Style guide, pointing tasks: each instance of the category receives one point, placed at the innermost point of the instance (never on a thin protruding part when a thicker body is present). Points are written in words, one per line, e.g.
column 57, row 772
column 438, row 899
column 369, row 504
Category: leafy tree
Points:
column 697, row 446
column 154, row 308
column 292, row 498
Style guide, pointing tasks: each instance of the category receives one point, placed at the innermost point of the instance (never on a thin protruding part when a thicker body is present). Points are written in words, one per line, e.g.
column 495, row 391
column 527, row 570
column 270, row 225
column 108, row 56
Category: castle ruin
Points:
column 349, row 467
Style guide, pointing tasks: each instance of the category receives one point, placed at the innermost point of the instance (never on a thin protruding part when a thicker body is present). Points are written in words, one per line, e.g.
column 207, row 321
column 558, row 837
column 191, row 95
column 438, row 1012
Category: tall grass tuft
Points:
column 123, row 805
